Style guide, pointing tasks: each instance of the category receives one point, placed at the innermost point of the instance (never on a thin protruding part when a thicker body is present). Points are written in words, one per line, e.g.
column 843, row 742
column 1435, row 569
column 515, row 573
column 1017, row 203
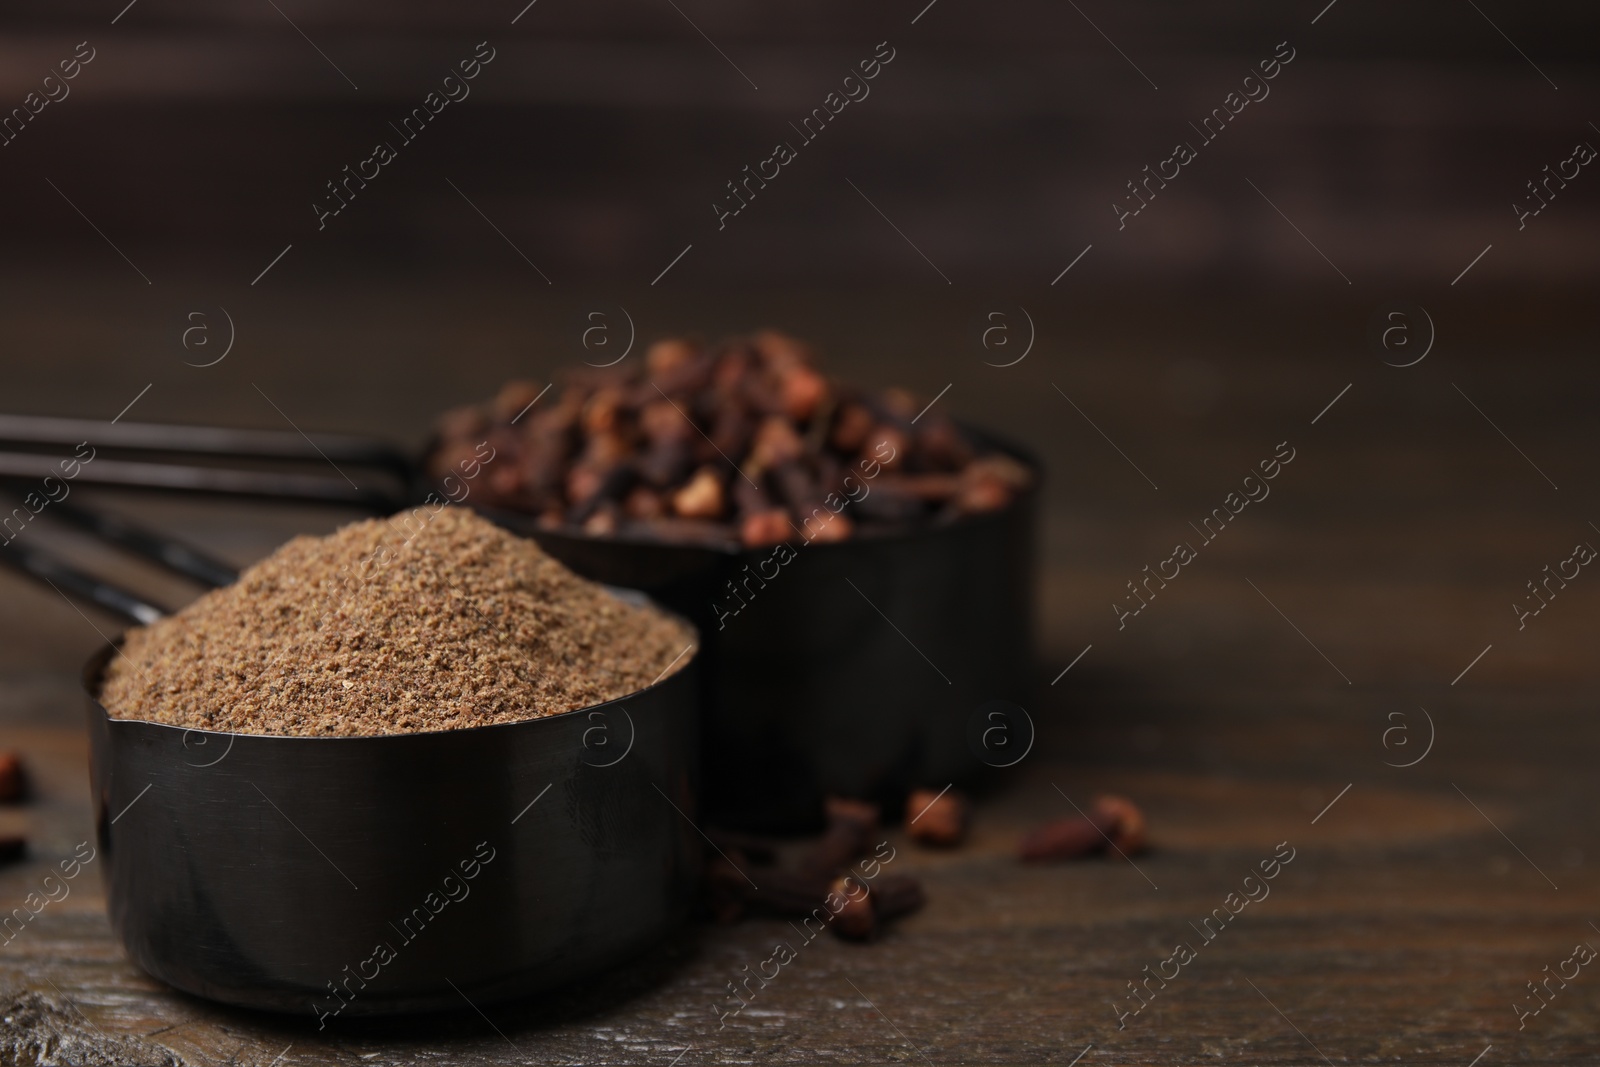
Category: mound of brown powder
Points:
column 418, row 622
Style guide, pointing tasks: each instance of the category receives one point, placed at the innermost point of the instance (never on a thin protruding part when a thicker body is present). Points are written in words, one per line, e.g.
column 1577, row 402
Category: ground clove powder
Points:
column 423, row 621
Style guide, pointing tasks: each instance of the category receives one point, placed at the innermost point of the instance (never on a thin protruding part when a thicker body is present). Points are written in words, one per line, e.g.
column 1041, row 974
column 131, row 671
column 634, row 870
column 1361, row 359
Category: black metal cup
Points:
column 370, row 875
column 857, row 668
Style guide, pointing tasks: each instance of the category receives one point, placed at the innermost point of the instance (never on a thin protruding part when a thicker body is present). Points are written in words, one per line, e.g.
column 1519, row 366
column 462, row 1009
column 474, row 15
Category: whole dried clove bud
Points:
column 702, row 498
column 851, row 426
column 796, row 487
column 731, row 431
column 764, row 528
column 852, row 828
column 668, row 357
column 1007, row 470
column 612, row 486
column 857, row 919
column 762, row 394
column 937, row 818
column 606, row 450
column 1068, row 838
column 900, row 403
column 642, row 502
column 888, row 446
column 775, row 442
column 666, row 463
column 748, row 497
column 603, row 521
column 940, row 445
column 981, row 494
column 682, row 380
column 800, row 392
column 1127, row 822
column 662, row 422
column 583, row 483
column 603, row 413
column 805, row 499
column 824, row 527
column 13, row 778
column 831, row 476
column 780, row 350
column 730, row 374
column 564, row 416
column 505, row 480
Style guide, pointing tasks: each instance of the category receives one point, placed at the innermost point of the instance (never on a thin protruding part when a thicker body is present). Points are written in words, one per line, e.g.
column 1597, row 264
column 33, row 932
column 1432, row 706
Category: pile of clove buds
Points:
column 743, row 442
column 839, row 881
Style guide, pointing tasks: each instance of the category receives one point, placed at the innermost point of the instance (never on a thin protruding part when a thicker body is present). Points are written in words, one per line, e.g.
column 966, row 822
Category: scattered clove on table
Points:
column 1128, row 828
column 857, row 919
column 937, row 818
column 744, row 877
column 852, row 827
column 1111, row 821
column 13, row 778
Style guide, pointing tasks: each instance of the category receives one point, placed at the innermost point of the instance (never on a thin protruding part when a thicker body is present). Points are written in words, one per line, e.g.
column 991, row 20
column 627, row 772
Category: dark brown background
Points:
column 1397, row 139
column 1197, row 339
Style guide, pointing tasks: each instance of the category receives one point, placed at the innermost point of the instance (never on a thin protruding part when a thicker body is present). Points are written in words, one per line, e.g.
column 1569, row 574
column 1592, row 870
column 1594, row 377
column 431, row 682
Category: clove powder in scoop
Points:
column 424, row 621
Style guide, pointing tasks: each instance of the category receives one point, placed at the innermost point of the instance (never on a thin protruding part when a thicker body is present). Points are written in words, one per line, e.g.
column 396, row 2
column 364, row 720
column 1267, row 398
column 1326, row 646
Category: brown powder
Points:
column 419, row 622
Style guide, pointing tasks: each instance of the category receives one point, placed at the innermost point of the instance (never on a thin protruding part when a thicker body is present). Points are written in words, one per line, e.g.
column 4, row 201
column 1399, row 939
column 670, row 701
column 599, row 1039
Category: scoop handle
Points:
column 208, row 480
column 67, row 579
column 169, row 552
column 209, row 441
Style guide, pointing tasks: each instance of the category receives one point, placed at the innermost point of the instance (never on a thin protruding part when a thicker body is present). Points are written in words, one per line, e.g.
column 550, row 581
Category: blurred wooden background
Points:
column 997, row 139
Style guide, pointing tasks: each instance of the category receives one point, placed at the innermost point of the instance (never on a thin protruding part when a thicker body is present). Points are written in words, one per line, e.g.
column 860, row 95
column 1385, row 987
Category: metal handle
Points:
column 140, row 474
column 216, row 441
column 65, row 578
column 153, row 545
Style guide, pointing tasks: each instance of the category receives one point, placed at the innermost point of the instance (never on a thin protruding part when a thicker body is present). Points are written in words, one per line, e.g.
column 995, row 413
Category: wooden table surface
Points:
column 1359, row 617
